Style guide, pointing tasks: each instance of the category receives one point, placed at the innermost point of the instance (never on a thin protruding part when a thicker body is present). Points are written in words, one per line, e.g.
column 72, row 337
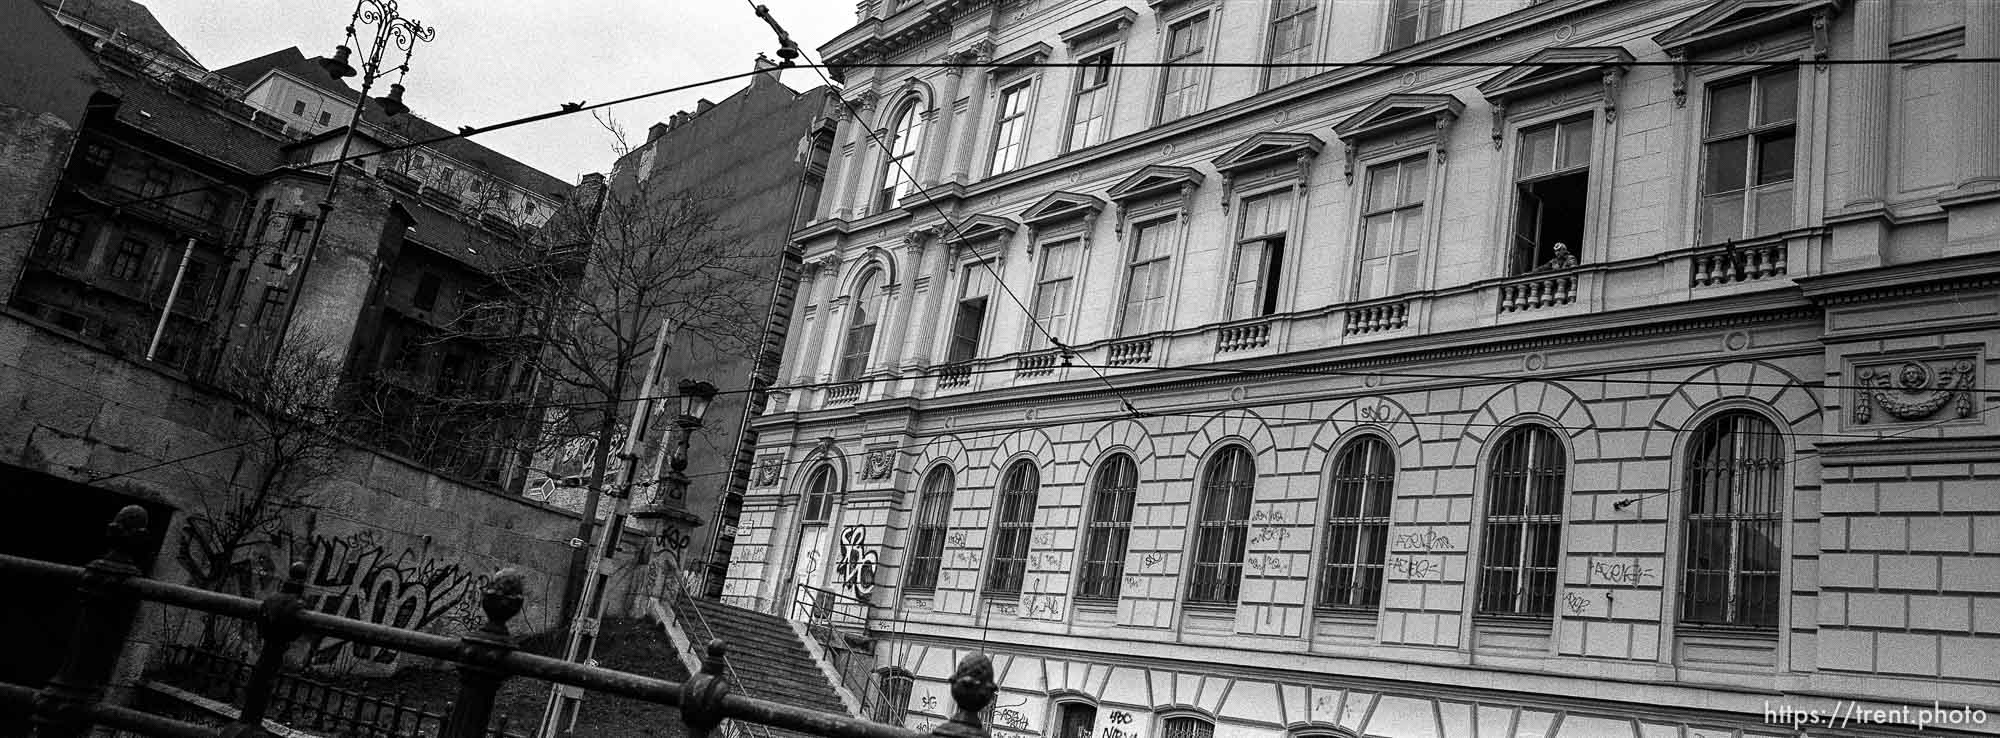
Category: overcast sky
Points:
column 496, row 60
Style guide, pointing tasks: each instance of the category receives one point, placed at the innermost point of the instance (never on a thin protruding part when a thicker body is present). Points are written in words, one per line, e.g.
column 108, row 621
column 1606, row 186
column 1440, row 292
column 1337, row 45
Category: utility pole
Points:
column 566, row 701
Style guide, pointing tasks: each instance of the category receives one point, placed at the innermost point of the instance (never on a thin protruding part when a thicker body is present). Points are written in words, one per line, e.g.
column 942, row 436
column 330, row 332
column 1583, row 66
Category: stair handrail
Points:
column 678, row 590
column 819, row 624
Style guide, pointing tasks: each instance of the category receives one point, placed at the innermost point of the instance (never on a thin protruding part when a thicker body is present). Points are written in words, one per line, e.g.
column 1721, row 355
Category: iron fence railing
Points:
column 698, row 630
column 111, row 589
column 303, row 702
column 836, row 621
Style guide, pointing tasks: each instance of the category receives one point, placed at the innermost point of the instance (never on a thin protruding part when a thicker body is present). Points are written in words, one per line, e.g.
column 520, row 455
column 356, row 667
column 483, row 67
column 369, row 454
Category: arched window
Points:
column 928, row 531
column 1111, row 493
column 1357, row 524
column 906, row 133
column 818, row 502
column 1075, row 719
column 895, row 704
column 1223, row 527
column 862, row 312
column 1733, row 517
column 1018, row 489
column 1524, row 504
column 1186, row 726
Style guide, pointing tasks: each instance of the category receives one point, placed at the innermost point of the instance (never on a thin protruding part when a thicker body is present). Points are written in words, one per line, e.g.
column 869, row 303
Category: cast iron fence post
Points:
column 972, row 687
column 278, row 628
column 103, row 621
column 480, row 675
column 701, row 694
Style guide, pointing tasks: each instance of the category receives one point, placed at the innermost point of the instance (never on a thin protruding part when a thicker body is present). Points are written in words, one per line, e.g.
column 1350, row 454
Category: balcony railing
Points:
column 843, row 393
column 1243, row 336
column 1377, row 318
column 111, row 589
column 1035, row 365
column 954, row 376
column 1537, row 292
column 1737, row 264
column 1126, row 353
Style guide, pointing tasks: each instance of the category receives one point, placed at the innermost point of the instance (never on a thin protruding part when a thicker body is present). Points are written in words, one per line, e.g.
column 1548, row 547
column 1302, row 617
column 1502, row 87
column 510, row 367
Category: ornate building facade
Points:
column 1403, row 368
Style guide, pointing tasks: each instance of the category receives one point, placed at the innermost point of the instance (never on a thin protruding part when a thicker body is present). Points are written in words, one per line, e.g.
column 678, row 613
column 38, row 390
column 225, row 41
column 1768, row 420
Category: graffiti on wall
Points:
column 856, row 568
column 362, row 577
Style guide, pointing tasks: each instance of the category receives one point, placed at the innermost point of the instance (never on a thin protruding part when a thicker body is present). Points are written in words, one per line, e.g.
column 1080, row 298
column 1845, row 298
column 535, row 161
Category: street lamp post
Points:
column 669, row 504
column 390, row 27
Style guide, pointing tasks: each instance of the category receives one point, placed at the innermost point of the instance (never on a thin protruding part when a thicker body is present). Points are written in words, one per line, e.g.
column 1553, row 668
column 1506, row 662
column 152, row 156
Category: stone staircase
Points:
column 769, row 659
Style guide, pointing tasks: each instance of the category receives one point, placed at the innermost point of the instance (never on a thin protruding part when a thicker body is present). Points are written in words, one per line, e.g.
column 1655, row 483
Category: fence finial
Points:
column 701, row 696
column 480, row 673
column 972, row 687
column 501, row 599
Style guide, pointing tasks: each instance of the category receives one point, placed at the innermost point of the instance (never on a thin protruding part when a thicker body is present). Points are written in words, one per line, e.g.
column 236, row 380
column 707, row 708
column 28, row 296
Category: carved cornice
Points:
column 1154, row 179
column 1729, row 21
column 1098, row 27
column 1394, row 113
column 1557, row 68
column 1060, row 207
column 1032, row 54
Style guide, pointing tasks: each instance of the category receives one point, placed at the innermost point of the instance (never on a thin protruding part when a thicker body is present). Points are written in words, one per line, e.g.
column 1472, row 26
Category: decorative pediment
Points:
column 1395, row 113
column 1033, row 54
column 1109, row 23
column 1265, row 149
column 979, row 229
column 1551, row 69
column 1726, row 21
column 1155, row 179
column 1060, row 206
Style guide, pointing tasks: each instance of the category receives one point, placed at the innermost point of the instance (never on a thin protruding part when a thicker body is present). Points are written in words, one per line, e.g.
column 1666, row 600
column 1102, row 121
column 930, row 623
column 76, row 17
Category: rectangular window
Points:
column 1010, row 133
column 298, row 107
column 1055, row 277
column 94, row 162
column 1294, row 25
column 128, row 264
column 1180, row 90
column 194, row 286
column 1749, row 157
column 1187, row 727
column 1260, row 255
column 1090, row 112
column 1222, row 526
column 271, row 309
column 1146, row 278
column 1392, row 224
column 1552, row 184
column 1077, row 721
column 427, row 291
column 1411, row 21
column 1113, row 490
column 969, row 321
column 1524, row 506
column 1734, row 522
column 325, row 117
column 928, row 531
column 60, row 244
column 157, row 182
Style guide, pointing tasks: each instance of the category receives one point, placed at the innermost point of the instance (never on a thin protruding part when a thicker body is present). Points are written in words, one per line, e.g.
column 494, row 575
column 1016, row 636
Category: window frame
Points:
column 1517, row 179
column 1278, row 76
column 1375, row 483
column 894, row 708
column 930, row 524
column 1063, row 306
column 128, row 261
column 1539, row 436
column 1219, row 581
column 1270, row 293
column 956, row 346
column 1771, row 487
column 1015, row 502
column 1024, row 89
column 1752, row 134
column 1162, row 261
column 72, row 231
column 1195, row 90
column 852, row 363
column 1106, row 97
column 1062, row 707
column 1101, row 575
column 1395, row 11
column 1194, row 726
column 906, row 122
column 1400, row 157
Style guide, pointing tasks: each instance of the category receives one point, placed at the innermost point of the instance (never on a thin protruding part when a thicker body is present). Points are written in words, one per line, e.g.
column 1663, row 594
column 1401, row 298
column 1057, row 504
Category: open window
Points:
column 968, row 322
column 1552, row 191
column 1260, row 255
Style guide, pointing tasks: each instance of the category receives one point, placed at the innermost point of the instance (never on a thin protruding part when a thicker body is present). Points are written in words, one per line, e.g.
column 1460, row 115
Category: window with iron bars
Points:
column 1018, row 488
column 928, row 532
column 1357, row 524
column 1525, row 489
column 1223, row 529
column 1733, row 520
column 1186, row 727
column 1111, row 495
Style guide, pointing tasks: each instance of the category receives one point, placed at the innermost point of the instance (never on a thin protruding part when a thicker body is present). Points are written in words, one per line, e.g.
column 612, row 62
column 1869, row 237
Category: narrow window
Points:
column 445, row 177
column 427, row 291
column 1357, row 524
column 1551, row 183
column 1112, row 491
column 61, row 242
column 325, row 117
column 928, row 531
column 1018, row 489
column 895, row 703
column 1186, row 727
column 898, row 178
column 970, row 319
column 1392, row 222
column 1222, row 529
column 1733, row 522
column 817, row 507
column 1076, row 720
column 157, row 182
column 1090, row 112
column 862, row 311
column 1055, row 277
column 1260, row 255
column 128, row 263
column 1146, row 278
column 195, row 286
column 95, row 162
column 271, row 309
column 1411, row 21
column 298, row 107
column 1523, row 524
column 1294, row 23
column 1187, row 46
column 1010, row 132
column 1749, row 153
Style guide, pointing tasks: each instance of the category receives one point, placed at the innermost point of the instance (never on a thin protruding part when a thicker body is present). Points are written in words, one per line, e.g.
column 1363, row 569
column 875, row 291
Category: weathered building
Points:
column 1574, row 368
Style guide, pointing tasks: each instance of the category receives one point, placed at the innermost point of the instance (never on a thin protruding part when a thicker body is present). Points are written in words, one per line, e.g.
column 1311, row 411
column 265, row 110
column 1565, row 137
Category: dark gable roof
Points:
column 129, row 18
column 292, row 61
column 148, row 106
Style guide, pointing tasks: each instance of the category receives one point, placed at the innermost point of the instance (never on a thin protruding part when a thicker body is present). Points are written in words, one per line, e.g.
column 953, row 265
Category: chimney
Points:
column 770, row 70
column 702, row 106
column 590, row 194
column 658, row 130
